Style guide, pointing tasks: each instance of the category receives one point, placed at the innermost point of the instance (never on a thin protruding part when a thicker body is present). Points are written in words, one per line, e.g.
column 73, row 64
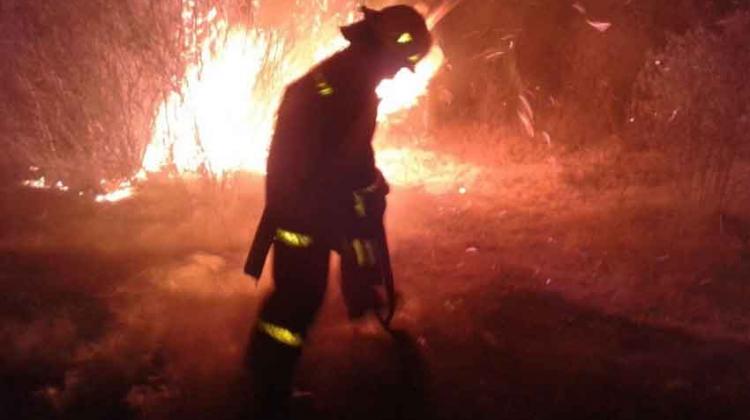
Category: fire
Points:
column 114, row 191
column 119, row 192
column 222, row 119
column 218, row 121
column 403, row 91
column 414, row 167
column 42, row 183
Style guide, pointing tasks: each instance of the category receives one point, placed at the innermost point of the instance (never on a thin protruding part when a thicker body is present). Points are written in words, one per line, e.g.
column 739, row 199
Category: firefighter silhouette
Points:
column 324, row 193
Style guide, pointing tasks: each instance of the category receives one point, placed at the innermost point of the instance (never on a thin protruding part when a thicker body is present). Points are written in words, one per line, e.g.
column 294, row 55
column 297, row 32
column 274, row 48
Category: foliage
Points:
column 84, row 77
column 691, row 100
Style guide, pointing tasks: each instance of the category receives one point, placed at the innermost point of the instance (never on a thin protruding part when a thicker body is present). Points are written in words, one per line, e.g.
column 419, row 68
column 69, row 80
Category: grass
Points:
column 606, row 222
column 548, row 260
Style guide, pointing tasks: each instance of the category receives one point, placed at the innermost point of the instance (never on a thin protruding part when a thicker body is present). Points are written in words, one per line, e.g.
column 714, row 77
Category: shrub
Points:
column 84, row 77
column 691, row 101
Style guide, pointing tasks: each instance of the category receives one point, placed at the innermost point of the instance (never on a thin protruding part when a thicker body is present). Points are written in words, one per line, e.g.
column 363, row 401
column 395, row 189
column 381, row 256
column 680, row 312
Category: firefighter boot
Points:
column 272, row 365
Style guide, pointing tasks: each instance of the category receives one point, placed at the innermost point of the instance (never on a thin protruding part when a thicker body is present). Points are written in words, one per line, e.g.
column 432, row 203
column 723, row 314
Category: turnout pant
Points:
column 300, row 272
column 300, row 279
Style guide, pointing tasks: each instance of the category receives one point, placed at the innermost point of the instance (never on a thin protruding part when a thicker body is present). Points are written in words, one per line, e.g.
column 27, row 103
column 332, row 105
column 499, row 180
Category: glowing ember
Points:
column 124, row 190
column 222, row 119
column 116, row 191
column 60, row 186
column 41, row 183
column 599, row 26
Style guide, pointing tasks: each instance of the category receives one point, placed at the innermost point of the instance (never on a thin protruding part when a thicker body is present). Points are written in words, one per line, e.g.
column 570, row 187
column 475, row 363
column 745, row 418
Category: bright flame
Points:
column 38, row 183
column 123, row 190
column 404, row 90
column 218, row 121
column 222, row 119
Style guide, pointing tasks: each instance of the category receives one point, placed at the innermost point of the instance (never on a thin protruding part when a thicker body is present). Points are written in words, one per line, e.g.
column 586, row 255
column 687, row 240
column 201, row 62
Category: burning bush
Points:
column 100, row 90
column 691, row 101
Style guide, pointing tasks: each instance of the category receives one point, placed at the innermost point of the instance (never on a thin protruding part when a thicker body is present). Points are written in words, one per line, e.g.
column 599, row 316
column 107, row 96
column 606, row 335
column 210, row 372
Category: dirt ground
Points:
column 533, row 296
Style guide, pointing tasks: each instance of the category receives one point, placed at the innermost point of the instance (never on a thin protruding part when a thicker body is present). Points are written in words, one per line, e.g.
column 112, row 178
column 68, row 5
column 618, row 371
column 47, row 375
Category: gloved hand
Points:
column 361, row 278
column 362, row 262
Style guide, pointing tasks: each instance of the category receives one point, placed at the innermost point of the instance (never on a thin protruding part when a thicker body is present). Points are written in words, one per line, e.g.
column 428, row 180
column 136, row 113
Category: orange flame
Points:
column 404, row 90
column 222, row 120
column 119, row 192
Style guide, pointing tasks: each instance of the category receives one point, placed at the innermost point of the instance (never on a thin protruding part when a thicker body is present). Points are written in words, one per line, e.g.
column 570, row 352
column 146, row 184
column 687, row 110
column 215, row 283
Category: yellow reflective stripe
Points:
column 293, row 239
column 359, row 205
column 414, row 58
column 280, row 334
column 359, row 201
column 405, row 38
column 321, row 84
column 324, row 89
column 364, row 252
column 360, row 251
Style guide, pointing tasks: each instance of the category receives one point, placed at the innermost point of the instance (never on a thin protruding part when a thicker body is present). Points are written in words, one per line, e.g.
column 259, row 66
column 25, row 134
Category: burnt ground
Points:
column 528, row 301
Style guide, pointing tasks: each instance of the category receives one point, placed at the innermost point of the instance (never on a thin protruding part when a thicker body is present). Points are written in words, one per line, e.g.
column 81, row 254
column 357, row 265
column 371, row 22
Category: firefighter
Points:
column 324, row 193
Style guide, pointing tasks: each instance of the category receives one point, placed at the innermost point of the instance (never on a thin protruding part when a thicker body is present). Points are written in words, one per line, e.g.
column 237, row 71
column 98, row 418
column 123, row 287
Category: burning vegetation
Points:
column 216, row 115
column 570, row 213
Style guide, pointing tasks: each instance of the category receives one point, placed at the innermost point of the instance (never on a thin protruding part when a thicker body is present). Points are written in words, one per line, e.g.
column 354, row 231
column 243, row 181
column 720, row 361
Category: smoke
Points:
column 171, row 333
column 41, row 342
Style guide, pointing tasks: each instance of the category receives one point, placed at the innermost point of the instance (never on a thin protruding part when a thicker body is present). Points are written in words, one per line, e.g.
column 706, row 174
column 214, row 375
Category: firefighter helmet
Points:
column 400, row 30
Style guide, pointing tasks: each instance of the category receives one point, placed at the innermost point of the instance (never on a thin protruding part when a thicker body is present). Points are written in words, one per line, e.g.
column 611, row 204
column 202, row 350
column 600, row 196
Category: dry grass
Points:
column 533, row 264
column 604, row 226
column 85, row 78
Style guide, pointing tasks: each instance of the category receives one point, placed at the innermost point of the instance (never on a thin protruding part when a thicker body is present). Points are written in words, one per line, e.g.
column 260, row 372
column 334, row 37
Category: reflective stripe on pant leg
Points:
column 364, row 252
column 293, row 239
column 280, row 334
column 300, row 276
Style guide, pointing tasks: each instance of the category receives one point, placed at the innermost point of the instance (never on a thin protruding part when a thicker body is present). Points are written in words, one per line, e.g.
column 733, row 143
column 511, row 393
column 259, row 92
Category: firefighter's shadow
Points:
column 413, row 401
column 389, row 379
